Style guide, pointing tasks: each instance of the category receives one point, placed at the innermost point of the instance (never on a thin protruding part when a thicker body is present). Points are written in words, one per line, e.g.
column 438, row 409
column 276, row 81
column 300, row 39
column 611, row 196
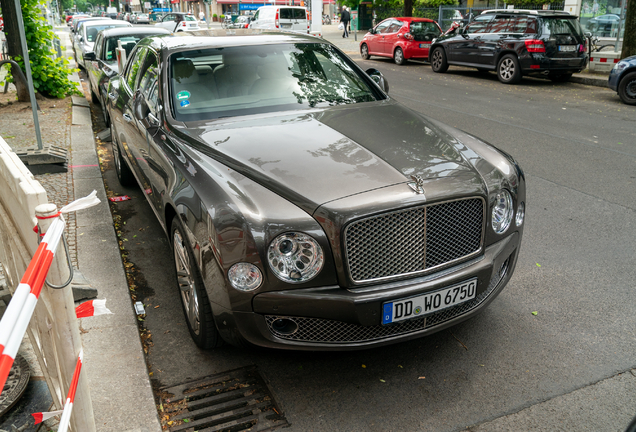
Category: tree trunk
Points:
column 408, row 8
column 629, row 40
column 12, row 33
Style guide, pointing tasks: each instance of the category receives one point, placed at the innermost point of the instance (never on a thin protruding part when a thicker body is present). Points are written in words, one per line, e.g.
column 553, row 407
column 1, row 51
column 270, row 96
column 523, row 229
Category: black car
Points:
column 306, row 208
column 101, row 63
column 515, row 43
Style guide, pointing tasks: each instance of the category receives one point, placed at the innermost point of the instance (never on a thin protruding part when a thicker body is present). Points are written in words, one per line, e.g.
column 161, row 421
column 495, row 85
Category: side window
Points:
column 148, row 82
column 383, row 26
column 394, row 27
column 499, row 24
column 480, row 25
column 256, row 15
column 133, row 65
column 169, row 17
column 523, row 24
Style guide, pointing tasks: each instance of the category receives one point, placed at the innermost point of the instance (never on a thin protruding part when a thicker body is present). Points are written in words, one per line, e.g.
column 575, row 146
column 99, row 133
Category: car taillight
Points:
column 277, row 21
column 246, row 25
column 535, row 45
column 408, row 36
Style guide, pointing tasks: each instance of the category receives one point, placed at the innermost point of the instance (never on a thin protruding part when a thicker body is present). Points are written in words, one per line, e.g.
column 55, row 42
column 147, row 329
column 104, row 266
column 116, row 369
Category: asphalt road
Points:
column 565, row 368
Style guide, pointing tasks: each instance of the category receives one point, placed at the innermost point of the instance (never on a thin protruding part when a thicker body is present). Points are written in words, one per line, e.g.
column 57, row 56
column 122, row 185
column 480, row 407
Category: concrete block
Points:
column 81, row 116
column 82, row 136
column 79, row 101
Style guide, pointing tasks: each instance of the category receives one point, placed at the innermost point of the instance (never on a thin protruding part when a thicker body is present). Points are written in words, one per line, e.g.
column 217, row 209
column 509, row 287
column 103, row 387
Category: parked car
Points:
column 305, row 207
column 292, row 18
column 622, row 79
column 400, row 39
column 603, row 25
column 241, row 22
column 87, row 36
column 142, row 18
column 101, row 63
column 77, row 19
column 515, row 43
column 179, row 22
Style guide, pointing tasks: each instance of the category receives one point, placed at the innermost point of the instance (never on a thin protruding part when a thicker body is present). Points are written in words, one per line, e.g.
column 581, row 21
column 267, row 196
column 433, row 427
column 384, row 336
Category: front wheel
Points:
column 124, row 175
column 194, row 299
column 508, row 70
column 398, row 56
column 438, row 60
column 364, row 52
column 627, row 89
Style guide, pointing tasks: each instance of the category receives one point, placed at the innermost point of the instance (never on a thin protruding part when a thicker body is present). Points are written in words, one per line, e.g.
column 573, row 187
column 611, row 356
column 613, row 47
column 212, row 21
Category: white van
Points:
column 293, row 18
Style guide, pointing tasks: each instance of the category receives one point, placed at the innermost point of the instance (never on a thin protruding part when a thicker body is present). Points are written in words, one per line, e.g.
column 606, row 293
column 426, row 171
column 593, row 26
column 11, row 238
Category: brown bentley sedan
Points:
column 305, row 207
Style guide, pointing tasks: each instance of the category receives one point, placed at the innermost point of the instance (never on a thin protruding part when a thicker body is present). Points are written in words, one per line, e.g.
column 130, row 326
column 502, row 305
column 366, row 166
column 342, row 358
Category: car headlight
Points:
column 620, row 66
column 295, row 257
column 502, row 212
column 521, row 213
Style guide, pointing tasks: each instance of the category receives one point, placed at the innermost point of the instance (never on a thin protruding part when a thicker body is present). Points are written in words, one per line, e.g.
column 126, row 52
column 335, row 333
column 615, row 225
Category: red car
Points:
column 400, row 39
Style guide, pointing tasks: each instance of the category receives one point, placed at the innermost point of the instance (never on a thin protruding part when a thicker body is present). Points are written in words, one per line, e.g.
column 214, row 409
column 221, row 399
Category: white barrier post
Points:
column 66, row 326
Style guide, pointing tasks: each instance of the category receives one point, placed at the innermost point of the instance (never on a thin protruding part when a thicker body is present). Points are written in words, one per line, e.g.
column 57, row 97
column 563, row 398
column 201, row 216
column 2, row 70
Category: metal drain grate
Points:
column 233, row 401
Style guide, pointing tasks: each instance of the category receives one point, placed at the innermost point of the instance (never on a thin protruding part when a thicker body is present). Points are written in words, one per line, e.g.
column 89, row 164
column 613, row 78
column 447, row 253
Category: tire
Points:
column 94, row 97
column 438, row 60
column 398, row 56
column 124, row 175
column 508, row 69
column 364, row 52
column 194, row 299
column 627, row 89
column 560, row 77
column 105, row 114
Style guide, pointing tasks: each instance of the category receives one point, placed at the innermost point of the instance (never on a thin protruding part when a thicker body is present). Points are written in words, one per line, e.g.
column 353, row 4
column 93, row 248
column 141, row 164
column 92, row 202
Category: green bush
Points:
column 222, row 16
column 50, row 74
column 215, row 16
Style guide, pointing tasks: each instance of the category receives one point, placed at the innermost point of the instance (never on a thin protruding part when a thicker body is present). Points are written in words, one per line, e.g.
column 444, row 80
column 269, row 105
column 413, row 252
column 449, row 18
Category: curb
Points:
column 115, row 363
column 591, row 81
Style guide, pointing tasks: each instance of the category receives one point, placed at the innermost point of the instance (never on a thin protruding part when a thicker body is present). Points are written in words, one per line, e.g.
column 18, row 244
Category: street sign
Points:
column 250, row 6
column 161, row 9
column 147, row 5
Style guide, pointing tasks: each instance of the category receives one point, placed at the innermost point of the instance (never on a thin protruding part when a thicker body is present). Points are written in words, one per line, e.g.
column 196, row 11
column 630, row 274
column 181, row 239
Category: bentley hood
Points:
column 312, row 158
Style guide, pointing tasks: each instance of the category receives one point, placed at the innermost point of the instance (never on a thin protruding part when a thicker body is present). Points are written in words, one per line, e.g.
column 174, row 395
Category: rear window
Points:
column 189, row 18
column 421, row 28
column 561, row 26
column 264, row 78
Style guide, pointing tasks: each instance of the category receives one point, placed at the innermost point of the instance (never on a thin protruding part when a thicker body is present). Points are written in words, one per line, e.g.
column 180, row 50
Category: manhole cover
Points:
column 233, row 401
column 16, row 384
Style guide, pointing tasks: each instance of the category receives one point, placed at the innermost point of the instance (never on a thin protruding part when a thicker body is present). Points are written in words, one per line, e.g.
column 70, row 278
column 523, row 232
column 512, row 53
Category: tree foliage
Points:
column 50, row 74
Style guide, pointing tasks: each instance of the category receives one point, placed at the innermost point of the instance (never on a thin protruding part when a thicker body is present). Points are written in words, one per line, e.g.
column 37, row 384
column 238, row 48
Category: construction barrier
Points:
column 47, row 315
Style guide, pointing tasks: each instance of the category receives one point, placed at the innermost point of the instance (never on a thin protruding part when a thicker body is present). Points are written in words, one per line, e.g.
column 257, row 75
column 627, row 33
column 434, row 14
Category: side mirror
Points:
column 371, row 31
column 379, row 79
column 90, row 55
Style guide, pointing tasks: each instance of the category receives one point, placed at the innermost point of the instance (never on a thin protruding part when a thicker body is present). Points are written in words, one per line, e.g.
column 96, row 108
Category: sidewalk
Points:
column 114, row 361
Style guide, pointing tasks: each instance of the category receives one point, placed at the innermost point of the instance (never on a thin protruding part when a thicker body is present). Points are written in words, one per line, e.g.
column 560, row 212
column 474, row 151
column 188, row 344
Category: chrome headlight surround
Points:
column 295, row 257
column 245, row 276
column 502, row 212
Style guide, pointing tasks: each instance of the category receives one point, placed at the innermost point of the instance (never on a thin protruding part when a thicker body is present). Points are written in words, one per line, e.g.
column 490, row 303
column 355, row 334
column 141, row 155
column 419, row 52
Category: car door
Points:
column 123, row 119
column 300, row 20
column 467, row 45
column 390, row 37
column 92, row 67
column 493, row 41
column 375, row 43
column 168, row 22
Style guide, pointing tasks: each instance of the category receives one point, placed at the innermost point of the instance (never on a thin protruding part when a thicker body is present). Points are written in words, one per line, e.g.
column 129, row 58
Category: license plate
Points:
column 426, row 45
column 426, row 304
column 567, row 48
column 286, row 25
column 192, row 25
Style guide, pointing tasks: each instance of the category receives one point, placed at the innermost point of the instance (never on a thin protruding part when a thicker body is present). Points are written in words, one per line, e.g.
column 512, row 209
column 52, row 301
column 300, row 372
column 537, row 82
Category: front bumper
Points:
column 333, row 318
column 613, row 80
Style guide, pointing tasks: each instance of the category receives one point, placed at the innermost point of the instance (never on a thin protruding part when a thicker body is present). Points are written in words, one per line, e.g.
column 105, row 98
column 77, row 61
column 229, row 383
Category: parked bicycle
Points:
column 227, row 22
column 326, row 20
column 595, row 46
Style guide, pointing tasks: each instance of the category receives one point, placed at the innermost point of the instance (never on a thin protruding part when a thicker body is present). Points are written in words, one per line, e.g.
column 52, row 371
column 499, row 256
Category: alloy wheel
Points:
column 364, row 51
column 187, row 285
column 399, row 56
column 437, row 59
column 507, row 69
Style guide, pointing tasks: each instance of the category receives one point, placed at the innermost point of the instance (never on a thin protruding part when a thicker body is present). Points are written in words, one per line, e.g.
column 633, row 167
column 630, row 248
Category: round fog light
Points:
column 245, row 276
column 521, row 212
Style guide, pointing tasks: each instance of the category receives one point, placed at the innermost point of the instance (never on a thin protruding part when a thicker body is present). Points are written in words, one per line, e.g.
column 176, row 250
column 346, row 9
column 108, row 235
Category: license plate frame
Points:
column 424, row 304
column 567, row 48
column 425, row 45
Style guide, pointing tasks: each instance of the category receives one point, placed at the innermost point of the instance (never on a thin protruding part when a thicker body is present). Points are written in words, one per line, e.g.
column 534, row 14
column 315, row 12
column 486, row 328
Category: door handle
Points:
column 127, row 117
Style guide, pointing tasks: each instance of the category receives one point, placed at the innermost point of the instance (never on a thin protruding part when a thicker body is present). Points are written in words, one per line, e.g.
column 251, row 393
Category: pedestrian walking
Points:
column 201, row 16
column 345, row 17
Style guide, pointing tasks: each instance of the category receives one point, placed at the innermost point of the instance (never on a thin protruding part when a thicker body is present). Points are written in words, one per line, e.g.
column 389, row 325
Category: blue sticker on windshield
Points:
column 184, row 103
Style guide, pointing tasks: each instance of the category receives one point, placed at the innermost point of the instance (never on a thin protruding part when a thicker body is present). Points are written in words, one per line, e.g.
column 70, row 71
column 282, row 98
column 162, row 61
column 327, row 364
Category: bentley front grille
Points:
column 414, row 240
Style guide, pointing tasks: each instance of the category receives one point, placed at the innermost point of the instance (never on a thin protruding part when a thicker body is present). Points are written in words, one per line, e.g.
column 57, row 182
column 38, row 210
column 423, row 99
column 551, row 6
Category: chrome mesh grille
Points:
column 413, row 240
column 334, row 332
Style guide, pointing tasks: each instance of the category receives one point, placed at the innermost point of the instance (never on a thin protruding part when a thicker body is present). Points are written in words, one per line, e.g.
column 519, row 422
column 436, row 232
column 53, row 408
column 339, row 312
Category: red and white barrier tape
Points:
column 20, row 309
column 70, row 399
column 92, row 308
column 41, row 416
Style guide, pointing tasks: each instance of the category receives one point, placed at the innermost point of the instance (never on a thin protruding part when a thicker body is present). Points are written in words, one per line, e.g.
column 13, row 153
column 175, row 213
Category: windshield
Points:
column 91, row 32
column 227, row 82
column 561, row 26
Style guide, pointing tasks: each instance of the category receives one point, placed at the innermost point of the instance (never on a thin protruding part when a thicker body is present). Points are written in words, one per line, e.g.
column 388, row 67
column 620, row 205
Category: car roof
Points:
column 105, row 21
column 529, row 12
column 203, row 39
column 123, row 31
column 412, row 19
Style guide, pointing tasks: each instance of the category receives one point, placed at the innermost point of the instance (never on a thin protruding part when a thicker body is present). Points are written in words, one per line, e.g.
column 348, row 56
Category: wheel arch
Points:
column 505, row 52
column 433, row 48
column 626, row 72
